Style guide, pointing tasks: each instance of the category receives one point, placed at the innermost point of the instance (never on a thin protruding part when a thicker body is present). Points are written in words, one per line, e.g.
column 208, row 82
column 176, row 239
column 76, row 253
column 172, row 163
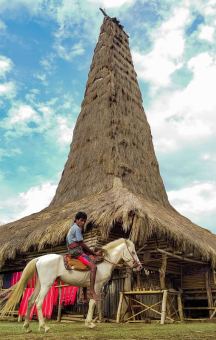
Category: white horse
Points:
column 51, row 266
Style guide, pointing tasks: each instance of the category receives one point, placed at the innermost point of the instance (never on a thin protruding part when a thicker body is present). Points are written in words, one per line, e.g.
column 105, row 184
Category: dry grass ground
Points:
column 109, row 331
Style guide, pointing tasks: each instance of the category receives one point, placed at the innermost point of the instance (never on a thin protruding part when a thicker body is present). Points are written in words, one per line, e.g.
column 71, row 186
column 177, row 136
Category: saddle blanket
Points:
column 71, row 263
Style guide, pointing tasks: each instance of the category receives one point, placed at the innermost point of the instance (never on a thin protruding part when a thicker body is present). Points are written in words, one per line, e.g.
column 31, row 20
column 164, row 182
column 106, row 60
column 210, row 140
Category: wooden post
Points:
column 118, row 316
column 138, row 281
column 163, row 308
column 214, row 274
column 208, row 291
column 180, row 307
column 162, row 271
column 59, row 302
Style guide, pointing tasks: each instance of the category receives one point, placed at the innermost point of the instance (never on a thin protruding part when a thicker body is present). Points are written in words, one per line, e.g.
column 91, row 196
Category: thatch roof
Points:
column 112, row 172
column 142, row 217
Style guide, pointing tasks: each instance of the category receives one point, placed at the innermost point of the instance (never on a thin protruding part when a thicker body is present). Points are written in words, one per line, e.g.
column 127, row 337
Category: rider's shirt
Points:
column 74, row 235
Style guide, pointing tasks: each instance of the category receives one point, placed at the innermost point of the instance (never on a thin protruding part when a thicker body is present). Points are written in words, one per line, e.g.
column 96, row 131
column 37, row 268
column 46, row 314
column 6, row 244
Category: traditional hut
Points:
column 112, row 173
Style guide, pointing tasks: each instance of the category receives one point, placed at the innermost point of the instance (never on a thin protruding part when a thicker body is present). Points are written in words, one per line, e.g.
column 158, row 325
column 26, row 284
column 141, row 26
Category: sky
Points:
column 46, row 48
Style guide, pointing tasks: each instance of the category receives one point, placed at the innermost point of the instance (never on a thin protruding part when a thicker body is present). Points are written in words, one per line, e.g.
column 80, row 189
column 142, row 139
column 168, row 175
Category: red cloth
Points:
column 15, row 278
column 68, row 295
column 48, row 304
column 23, row 305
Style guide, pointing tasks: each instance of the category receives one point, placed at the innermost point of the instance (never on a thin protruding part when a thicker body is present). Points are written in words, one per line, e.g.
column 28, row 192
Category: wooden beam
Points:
column 179, row 257
column 140, row 249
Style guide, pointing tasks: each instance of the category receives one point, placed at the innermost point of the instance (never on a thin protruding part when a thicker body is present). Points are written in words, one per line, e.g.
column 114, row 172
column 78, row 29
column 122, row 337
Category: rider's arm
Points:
column 86, row 248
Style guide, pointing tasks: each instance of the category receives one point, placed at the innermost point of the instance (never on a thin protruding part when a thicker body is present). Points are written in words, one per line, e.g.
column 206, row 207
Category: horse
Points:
column 51, row 266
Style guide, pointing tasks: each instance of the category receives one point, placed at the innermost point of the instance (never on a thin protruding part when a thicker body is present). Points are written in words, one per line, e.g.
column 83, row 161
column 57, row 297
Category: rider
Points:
column 79, row 250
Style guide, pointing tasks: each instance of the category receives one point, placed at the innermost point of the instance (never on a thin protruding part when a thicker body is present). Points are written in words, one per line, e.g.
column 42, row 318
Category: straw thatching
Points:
column 112, row 172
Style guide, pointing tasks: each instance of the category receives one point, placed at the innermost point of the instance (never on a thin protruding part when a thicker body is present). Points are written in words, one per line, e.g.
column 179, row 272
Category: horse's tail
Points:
column 18, row 288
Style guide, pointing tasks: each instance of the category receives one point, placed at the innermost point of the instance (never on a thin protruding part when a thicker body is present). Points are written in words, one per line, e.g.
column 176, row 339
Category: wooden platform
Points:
column 131, row 299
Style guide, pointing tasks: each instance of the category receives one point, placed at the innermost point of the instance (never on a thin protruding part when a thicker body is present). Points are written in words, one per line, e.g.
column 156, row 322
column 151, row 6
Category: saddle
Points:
column 74, row 264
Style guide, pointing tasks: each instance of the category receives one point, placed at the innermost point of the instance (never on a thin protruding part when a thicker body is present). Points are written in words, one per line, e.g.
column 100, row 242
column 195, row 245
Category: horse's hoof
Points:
column 46, row 329
column 26, row 327
column 90, row 325
column 28, row 330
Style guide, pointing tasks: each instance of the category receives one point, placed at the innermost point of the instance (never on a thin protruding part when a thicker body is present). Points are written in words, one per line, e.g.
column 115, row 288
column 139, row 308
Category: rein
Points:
column 115, row 264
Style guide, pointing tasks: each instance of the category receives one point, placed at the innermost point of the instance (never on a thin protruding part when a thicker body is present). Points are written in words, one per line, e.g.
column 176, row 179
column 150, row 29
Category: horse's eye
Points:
column 133, row 252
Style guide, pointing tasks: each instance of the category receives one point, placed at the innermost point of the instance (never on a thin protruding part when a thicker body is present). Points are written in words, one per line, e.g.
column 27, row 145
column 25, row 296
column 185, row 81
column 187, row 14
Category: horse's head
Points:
column 130, row 256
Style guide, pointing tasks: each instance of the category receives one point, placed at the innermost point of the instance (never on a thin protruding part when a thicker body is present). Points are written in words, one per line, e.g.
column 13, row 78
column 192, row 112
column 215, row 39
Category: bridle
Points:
column 135, row 262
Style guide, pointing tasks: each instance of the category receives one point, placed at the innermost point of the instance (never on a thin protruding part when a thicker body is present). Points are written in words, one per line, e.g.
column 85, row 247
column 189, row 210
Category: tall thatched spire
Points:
column 112, row 143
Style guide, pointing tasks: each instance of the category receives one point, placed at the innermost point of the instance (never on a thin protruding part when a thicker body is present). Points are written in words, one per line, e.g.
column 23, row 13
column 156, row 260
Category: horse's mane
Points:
column 114, row 244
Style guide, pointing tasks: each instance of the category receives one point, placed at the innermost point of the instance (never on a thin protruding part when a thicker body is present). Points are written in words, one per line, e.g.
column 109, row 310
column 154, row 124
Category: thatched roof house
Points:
column 112, row 172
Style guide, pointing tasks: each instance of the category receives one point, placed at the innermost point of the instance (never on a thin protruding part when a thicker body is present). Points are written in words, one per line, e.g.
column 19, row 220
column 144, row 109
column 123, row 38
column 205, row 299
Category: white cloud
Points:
column 53, row 119
column 6, row 65
column 112, row 3
column 187, row 115
column 209, row 7
column 8, row 89
column 23, row 113
column 2, row 26
column 69, row 52
column 26, row 203
column 9, row 153
column 19, row 118
column 209, row 157
column 207, row 33
column 165, row 58
column 195, row 201
column 42, row 77
column 31, row 5
column 65, row 131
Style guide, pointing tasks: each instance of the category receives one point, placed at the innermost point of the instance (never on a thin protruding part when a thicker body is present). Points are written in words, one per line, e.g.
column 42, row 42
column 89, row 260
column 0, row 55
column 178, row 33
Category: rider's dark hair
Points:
column 81, row 214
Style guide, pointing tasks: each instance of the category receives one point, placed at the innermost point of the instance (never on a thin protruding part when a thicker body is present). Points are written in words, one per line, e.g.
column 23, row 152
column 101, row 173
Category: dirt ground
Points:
column 109, row 331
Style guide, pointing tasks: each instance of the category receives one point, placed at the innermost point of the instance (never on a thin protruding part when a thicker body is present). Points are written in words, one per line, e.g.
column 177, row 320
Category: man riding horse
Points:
column 79, row 250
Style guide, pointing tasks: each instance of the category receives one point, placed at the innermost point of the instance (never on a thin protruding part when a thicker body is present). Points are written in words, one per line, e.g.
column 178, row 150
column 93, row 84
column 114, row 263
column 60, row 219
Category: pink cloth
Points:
column 48, row 304
column 15, row 278
column 68, row 295
column 23, row 305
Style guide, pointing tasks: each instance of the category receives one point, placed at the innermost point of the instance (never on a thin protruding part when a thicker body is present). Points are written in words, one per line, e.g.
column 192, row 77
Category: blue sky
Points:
column 46, row 47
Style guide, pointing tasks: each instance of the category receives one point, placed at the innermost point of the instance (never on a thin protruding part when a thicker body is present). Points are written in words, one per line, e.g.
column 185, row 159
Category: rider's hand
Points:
column 99, row 253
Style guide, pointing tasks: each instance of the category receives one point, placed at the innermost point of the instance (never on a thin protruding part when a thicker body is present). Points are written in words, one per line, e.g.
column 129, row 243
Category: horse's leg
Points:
column 88, row 321
column 92, row 303
column 100, row 313
column 99, row 304
column 39, row 303
column 30, row 305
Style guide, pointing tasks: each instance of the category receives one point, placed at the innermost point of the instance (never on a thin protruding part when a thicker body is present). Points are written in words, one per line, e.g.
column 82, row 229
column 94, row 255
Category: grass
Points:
column 108, row 331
